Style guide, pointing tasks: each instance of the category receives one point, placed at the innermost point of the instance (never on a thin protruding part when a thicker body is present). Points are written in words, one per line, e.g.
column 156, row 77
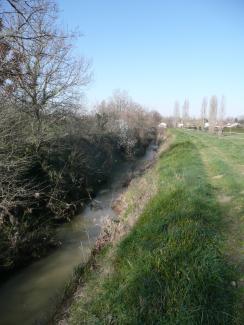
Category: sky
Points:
column 161, row 51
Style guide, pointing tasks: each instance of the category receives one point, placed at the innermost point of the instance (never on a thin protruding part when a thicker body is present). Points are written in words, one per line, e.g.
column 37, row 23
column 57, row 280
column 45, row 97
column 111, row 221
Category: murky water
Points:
column 27, row 296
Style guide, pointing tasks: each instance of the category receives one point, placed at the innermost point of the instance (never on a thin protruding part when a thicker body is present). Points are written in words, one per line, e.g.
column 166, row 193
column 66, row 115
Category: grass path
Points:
column 225, row 158
column 181, row 262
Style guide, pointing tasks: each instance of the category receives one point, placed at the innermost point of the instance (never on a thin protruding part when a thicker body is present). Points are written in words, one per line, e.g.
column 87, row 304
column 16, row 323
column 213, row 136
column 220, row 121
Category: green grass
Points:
column 234, row 130
column 171, row 268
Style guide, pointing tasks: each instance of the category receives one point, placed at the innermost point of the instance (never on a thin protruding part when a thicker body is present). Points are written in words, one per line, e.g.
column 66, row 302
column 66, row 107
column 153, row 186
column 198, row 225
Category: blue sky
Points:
column 162, row 50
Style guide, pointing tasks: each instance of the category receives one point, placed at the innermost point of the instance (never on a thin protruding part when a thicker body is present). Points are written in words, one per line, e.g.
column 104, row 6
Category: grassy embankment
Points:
column 174, row 267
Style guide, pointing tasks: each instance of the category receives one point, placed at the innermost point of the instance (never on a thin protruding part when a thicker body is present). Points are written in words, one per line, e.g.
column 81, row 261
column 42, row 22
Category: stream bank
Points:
column 53, row 187
column 128, row 207
column 28, row 295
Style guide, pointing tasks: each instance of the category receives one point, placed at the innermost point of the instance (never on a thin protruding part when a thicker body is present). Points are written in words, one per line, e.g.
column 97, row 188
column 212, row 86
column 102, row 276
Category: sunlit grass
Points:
column 171, row 268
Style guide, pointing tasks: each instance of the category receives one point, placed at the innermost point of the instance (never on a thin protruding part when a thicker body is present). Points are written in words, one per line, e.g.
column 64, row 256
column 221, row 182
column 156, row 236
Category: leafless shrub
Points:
column 128, row 120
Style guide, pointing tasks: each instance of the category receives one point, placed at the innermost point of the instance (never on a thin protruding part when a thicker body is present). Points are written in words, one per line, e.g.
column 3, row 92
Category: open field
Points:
column 234, row 130
column 234, row 133
column 182, row 261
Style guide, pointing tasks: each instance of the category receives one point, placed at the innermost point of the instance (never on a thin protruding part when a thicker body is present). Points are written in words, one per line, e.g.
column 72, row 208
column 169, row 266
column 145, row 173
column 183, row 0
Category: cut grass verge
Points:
column 170, row 269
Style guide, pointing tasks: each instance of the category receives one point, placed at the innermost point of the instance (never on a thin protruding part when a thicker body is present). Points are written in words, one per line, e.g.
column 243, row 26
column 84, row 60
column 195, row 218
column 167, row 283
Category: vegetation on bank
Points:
column 53, row 154
column 142, row 187
column 171, row 268
column 41, row 188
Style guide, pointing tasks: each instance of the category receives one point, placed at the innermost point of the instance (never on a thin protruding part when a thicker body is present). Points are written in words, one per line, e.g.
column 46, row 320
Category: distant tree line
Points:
column 212, row 115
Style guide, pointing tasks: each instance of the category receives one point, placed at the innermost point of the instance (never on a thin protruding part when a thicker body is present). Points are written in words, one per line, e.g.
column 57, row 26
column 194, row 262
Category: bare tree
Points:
column 39, row 81
column 156, row 117
column 17, row 17
column 185, row 112
column 213, row 112
column 23, row 13
column 127, row 120
column 176, row 113
column 204, row 111
column 222, row 113
column 46, row 78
